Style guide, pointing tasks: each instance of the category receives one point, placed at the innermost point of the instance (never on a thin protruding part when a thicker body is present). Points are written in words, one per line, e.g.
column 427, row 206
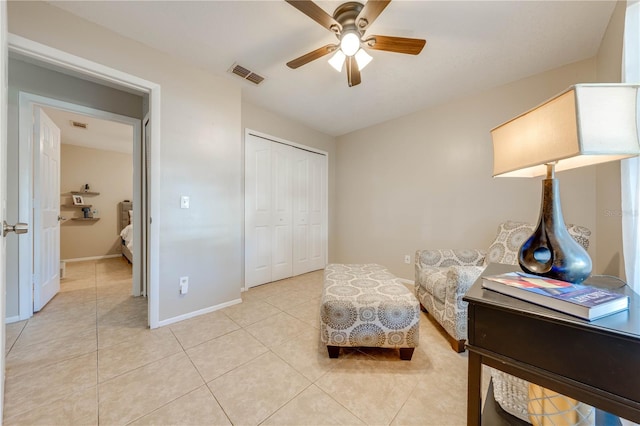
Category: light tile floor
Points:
column 88, row 358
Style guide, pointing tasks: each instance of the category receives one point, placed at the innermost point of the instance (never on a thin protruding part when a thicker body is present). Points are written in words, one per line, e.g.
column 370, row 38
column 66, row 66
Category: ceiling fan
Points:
column 349, row 22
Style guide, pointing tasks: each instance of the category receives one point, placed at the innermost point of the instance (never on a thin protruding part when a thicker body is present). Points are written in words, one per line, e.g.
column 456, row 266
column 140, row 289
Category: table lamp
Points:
column 584, row 125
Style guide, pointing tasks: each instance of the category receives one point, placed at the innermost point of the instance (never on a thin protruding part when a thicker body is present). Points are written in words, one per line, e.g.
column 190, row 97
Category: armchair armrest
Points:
column 449, row 257
column 459, row 280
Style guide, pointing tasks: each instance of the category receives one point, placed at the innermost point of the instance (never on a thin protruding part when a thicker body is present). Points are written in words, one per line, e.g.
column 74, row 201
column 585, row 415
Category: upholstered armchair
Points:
column 444, row 276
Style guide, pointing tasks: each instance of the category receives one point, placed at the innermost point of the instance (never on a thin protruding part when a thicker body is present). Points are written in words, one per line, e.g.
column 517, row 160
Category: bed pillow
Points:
column 130, row 216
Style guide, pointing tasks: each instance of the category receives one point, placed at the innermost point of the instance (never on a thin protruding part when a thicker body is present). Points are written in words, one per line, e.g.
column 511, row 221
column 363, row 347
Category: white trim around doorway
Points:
column 27, row 208
column 122, row 80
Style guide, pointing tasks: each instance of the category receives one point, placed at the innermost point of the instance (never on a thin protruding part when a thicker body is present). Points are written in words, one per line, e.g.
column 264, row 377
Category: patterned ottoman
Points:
column 365, row 305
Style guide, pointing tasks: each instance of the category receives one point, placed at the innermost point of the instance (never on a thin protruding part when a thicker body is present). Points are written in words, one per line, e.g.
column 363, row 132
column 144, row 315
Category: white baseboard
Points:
column 9, row 320
column 179, row 318
column 406, row 281
column 83, row 259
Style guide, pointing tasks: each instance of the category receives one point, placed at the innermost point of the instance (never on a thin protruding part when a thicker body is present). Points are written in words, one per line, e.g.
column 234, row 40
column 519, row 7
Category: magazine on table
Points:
column 583, row 301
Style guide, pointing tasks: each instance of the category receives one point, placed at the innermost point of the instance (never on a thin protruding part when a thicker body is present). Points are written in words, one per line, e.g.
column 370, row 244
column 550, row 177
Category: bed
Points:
column 125, row 214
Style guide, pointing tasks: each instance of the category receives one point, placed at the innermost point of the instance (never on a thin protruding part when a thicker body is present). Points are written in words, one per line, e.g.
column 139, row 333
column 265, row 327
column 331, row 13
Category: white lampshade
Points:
column 586, row 124
column 363, row 59
column 350, row 43
column 337, row 60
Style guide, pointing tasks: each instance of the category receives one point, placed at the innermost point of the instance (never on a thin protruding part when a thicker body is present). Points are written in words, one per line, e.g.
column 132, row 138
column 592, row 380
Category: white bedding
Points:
column 127, row 236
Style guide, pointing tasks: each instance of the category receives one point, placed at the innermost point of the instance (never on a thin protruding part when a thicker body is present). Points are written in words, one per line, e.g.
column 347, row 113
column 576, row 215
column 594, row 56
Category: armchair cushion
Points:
column 511, row 236
column 505, row 248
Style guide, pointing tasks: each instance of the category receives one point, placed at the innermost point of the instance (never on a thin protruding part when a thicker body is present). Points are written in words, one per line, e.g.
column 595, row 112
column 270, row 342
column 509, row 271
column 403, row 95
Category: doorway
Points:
column 85, row 69
column 33, row 253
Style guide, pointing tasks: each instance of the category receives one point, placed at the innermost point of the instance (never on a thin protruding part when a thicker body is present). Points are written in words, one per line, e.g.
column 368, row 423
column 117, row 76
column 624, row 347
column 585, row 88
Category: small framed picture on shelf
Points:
column 78, row 200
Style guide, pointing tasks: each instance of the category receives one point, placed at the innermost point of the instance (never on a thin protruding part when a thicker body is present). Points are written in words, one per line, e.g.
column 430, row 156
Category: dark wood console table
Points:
column 595, row 362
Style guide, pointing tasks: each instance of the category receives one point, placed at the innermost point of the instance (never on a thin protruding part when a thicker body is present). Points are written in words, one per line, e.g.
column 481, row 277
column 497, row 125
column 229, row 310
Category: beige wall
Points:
column 262, row 120
column 200, row 156
column 609, row 259
column 424, row 180
column 107, row 172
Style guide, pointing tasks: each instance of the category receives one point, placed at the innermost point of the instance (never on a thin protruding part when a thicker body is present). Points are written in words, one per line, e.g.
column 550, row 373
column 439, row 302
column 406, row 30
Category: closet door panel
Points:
column 317, row 212
column 258, row 216
column 281, row 166
column 301, row 164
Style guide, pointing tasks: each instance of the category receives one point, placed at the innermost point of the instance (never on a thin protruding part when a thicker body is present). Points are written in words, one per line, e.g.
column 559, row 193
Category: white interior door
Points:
column 281, row 219
column 258, row 201
column 46, row 209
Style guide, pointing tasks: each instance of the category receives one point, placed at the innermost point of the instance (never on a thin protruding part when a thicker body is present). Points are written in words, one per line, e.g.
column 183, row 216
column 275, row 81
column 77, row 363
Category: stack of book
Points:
column 582, row 301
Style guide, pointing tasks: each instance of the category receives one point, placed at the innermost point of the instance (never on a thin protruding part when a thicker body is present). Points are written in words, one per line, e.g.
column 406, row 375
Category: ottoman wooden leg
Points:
column 334, row 351
column 406, row 354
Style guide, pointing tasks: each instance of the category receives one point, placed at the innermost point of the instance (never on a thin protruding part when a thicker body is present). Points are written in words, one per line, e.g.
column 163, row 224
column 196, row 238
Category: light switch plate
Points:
column 184, row 202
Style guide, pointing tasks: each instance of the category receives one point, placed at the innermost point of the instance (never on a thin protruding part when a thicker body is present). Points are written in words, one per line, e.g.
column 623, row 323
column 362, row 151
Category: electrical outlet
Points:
column 184, row 285
column 184, row 202
column 407, row 259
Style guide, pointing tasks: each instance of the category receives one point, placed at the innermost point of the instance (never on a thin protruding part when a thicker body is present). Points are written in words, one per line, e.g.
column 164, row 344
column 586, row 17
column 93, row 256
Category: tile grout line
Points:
column 206, row 385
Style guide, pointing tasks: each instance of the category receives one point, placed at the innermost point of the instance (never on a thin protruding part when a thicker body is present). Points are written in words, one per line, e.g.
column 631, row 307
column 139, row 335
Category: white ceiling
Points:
column 471, row 46
column 99, row 134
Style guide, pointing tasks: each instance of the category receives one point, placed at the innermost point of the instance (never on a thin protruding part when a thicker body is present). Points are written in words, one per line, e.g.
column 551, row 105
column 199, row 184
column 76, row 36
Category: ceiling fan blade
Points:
column 411, row 46
column 371, row 10
column 312, row 56
column 316, row 13
column 353, row 73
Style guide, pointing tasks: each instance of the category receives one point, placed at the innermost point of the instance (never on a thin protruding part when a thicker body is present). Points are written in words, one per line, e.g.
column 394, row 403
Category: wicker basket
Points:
column 512, row 393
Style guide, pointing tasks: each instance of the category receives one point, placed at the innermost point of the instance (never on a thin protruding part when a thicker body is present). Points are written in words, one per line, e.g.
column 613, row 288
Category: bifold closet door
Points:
column 285, row 211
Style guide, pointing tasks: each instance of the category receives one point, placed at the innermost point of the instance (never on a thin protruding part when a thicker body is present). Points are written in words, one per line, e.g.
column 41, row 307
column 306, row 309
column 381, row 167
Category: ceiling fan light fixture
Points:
column 363, row 59
column 337, row 60
column 350, row 43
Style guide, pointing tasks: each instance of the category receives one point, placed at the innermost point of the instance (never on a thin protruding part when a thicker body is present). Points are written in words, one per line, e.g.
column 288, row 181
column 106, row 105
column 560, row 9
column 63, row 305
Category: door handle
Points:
column 18, row 228
column 61, row 218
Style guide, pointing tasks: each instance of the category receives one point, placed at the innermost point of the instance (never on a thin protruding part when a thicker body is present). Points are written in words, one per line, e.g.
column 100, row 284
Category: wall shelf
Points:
column 73, row 206
column 68, row 206
column 84, row 193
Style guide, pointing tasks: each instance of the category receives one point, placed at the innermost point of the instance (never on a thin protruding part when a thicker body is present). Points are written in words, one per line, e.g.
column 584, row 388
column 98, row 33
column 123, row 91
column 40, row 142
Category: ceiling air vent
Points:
column 246, row 74
column 79, row 124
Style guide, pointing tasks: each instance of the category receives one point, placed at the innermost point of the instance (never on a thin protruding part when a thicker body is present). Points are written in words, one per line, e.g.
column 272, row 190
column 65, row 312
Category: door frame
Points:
column 271, row 138
column 26, row 185
column 115, row 78
column 4, row 59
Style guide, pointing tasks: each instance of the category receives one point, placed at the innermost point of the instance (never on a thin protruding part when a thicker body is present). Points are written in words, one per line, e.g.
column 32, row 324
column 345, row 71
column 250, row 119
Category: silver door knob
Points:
column 18, row 228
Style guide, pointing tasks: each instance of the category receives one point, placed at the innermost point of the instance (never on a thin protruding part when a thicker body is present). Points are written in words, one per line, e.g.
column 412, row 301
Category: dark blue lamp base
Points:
column 551, row 251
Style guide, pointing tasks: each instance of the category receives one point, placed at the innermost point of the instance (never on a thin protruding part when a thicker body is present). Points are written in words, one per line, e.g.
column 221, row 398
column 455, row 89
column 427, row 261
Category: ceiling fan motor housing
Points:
column 346, row 15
